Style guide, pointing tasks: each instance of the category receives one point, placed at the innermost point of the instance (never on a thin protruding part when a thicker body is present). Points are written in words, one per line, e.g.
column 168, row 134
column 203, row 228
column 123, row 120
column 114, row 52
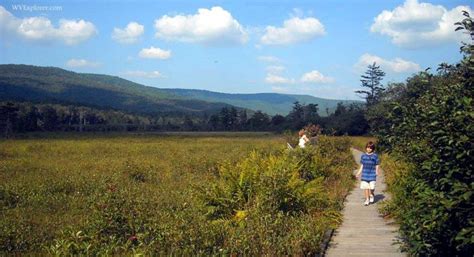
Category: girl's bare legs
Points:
column 367, row 194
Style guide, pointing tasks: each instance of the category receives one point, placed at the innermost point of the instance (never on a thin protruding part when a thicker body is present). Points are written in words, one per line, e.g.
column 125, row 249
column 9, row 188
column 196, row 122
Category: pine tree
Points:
column 371, row 80
column 8, row 116
column 296, row 116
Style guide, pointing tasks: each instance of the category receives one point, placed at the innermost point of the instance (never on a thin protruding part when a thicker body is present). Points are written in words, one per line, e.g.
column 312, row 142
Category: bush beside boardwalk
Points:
column 427, row 124
column 155, row 194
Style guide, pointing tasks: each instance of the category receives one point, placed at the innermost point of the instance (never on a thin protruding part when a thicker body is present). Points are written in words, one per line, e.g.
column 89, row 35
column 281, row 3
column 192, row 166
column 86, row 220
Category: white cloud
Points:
column 397, row 65
column 316, row 77
column 415, row 24
column 269, row 59
column 277, row 79
column 294, row 30
column 129, row 34
column 144, row 74
column 214, row 26
column 41, row 29
column 81, row 63
column 273, row 77
column 154, row 53
column 275, row 68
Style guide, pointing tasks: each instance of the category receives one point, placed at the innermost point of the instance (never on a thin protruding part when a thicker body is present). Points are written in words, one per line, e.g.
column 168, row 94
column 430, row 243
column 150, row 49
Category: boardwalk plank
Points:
column 364, row 232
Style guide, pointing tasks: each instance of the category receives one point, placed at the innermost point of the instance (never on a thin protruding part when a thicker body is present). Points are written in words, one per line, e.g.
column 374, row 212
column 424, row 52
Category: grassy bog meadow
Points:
column 170, row 194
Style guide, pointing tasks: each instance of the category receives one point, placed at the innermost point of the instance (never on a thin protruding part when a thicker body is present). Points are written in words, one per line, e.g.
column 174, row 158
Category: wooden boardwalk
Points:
column 364, row 232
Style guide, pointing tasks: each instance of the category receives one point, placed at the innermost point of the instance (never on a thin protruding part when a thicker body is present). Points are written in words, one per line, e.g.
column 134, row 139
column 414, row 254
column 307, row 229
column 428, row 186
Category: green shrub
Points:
column 429, row 126
column 270, row 181
column 281, row 203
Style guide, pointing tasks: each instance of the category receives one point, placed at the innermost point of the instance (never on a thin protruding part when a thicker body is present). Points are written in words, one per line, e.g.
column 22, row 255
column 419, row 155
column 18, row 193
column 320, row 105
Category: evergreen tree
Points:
column 277, row 122
column 371, row 80
column 225, row 119
column 233, row 118
column 296, row 117
column 8, row 116
column 50, row 118
column 259, row 121
column 311, row 114
column 213, row 122
column 31, row 119
column 188, row 124
column 242, row 120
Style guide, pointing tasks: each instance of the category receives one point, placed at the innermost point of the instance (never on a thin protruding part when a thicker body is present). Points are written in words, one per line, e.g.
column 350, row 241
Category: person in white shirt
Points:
column 303, row 138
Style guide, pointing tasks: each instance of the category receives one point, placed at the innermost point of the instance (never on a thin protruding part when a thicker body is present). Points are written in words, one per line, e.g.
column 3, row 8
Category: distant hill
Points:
column 270, row 103
column 55, row 85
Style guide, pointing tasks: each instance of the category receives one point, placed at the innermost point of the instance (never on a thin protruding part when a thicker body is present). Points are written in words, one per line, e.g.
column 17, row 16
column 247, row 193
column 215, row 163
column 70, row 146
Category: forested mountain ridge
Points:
column 55, row 85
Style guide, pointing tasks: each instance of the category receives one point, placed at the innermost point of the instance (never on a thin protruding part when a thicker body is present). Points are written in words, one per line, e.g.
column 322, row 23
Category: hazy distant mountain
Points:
column 270, row 103
column 55, row 85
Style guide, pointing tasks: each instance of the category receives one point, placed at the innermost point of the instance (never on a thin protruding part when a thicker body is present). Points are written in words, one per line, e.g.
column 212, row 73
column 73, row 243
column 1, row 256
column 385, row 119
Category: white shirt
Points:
column 302, row 141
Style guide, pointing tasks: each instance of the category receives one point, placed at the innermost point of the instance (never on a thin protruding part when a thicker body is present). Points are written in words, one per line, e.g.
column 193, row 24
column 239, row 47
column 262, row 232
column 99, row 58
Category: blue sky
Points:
column 318, row 48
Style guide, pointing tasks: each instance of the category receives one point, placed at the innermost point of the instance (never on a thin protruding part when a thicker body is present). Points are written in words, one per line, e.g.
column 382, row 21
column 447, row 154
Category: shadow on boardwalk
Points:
column 364, row 232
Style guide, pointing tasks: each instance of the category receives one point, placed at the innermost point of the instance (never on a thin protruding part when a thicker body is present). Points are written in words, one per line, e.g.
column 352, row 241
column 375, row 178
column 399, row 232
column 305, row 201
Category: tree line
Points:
column 21, row 117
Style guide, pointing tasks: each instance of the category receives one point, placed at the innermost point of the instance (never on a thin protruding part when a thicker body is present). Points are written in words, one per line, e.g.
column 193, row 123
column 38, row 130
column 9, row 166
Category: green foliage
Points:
column 30, row 117
column 270, row 182
column 429, row 124
column 143, row 194
column 118, row 224
column 14, row 236
column 281, row 203
column 346, row 120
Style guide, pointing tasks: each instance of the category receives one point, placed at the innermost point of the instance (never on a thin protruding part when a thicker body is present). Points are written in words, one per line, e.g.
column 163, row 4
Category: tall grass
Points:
column 151, row 194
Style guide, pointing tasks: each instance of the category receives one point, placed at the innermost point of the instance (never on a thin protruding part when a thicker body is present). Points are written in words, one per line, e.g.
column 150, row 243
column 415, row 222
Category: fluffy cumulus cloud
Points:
column 144, row 74
column 294, row 30
column 129, row 34
column 316, row 77
column 214, row 26
column 81, row 63
column 154, row 53
column 397, row 65
column 416, row 24
column 41, row 29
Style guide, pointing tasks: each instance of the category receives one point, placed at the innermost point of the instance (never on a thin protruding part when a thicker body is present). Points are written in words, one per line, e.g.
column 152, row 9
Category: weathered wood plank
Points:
column 364, row 232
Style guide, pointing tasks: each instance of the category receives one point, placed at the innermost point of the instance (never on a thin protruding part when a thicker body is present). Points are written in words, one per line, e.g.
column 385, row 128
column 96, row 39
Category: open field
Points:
column 162, row 193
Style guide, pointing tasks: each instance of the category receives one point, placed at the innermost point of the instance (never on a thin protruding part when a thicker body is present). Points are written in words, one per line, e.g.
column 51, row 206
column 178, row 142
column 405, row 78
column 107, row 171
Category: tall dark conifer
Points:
column 371, row 80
